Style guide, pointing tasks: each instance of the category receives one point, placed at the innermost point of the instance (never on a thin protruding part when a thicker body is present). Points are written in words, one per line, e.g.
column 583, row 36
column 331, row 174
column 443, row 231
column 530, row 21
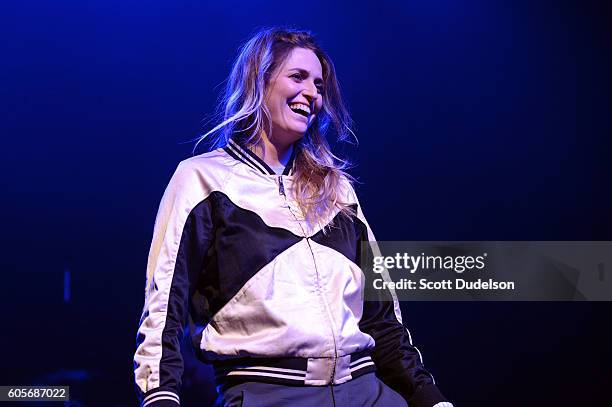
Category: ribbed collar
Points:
column 251, row 159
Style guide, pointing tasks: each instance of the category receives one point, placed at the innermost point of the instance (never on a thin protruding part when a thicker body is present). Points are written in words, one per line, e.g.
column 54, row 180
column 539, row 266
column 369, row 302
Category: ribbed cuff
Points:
column 160, row 397
column 426, row 396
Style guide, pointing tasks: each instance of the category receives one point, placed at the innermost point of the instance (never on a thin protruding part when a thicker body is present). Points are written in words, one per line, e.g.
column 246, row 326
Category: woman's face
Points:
column 295, row 95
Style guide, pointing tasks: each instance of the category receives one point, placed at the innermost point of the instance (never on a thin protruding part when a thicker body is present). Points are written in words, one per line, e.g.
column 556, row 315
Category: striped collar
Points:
column 251, row 159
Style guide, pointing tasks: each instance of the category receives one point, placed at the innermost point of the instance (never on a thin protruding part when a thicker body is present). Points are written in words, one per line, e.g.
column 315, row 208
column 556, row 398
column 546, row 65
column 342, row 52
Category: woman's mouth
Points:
column 300, row 108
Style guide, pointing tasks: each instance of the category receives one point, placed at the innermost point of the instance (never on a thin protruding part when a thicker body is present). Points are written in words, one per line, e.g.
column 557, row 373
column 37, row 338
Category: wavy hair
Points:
column 318, row 173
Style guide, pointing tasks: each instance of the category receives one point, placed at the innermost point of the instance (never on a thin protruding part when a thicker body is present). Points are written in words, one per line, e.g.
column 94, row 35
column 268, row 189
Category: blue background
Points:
column 476, row 120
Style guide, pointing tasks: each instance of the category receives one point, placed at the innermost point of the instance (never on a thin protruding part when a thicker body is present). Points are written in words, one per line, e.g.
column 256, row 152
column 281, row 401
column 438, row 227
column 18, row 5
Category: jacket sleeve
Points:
column 181, row 236
column 398, row 362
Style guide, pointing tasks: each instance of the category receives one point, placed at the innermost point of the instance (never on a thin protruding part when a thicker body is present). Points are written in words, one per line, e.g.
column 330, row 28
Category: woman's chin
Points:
column 298, row 127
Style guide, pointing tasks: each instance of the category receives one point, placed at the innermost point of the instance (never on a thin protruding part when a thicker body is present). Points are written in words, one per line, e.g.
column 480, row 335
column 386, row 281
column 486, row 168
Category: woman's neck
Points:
column 274, row 154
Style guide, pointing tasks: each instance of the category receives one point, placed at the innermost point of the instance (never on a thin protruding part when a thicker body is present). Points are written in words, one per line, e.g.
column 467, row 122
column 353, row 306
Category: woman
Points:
column 257, row 245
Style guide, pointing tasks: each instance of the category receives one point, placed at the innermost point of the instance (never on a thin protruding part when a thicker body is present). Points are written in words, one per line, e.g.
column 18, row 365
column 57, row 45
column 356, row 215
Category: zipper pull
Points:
column 281, row 186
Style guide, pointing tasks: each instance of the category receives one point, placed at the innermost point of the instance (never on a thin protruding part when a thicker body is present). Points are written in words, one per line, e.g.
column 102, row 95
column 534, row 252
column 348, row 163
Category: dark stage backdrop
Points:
column 477, row 120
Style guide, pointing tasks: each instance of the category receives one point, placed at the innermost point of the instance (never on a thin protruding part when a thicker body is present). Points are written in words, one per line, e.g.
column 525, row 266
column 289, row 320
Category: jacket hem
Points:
column 291, row 371
column 160, row 397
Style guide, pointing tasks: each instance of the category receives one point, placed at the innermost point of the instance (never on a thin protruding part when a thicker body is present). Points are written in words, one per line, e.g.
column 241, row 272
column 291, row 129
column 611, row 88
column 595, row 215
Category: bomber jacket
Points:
column 267, row 295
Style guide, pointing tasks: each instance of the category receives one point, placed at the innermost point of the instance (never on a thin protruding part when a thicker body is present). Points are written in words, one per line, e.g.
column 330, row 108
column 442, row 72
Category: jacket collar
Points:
column 243, row 154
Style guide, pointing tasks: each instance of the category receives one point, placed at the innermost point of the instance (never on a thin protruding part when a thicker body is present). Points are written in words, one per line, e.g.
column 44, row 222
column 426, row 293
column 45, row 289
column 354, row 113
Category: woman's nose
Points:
column 310, row 92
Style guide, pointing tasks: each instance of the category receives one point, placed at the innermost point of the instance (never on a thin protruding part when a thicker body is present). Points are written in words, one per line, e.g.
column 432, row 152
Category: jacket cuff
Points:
column 160, row 397
column 426, row 396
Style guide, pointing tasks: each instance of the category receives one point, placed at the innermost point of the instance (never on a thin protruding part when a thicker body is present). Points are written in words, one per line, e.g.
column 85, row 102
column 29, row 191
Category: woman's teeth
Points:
column 300, row 108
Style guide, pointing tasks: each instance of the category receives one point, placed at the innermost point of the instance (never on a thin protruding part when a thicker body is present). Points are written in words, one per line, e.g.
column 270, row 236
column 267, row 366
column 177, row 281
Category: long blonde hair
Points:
column 318, row 173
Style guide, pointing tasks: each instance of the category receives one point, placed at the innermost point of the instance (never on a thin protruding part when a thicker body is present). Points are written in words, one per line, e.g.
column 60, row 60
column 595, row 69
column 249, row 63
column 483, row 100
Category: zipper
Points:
column 281, row 187
column 281, row 191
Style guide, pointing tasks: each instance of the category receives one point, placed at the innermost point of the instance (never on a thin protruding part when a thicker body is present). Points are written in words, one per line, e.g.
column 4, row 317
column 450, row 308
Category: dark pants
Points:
column 364, row 391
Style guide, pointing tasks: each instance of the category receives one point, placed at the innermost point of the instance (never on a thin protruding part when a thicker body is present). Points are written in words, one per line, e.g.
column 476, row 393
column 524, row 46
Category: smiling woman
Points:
column 294, row 97
column 274, row 69
column 257, row 246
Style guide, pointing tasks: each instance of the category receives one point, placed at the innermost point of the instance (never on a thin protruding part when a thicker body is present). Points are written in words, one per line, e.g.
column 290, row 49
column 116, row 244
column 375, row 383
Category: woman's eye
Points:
column 297, row 76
